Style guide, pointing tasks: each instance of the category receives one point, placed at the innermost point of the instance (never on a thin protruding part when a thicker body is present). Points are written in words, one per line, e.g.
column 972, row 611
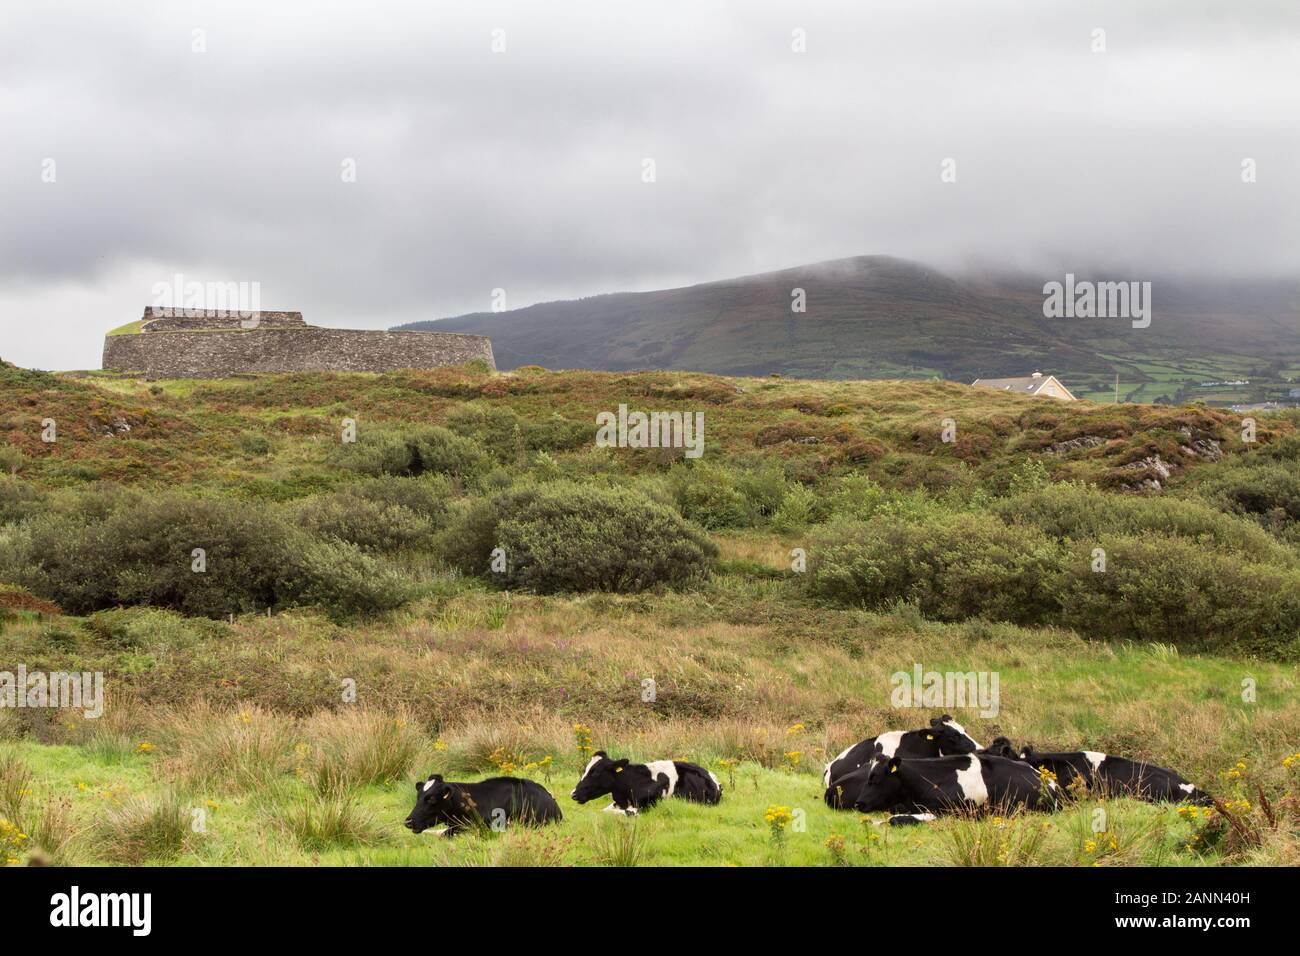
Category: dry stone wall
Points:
column 175, row 320
column 224, row 352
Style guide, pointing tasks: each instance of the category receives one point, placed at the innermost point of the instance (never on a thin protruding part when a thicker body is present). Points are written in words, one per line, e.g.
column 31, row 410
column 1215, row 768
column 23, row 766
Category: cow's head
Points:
column 883, row 788
column 1001, row 747
column 435, row 802
column 599, row 778
column 952, row 736
column 1028, row 753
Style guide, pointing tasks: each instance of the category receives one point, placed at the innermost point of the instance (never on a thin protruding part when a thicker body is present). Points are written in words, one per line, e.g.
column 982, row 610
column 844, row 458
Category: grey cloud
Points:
column 522, row 170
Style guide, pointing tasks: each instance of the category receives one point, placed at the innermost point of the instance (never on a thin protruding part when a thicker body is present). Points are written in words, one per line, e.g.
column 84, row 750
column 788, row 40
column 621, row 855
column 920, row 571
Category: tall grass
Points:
column 145, row 829
column 234, row 751
column 360, row 748
column 619, row 842
column 322, row 820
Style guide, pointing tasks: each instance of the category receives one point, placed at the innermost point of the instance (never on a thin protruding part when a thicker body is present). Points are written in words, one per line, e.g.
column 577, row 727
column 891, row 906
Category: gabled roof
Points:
column 1025, row 385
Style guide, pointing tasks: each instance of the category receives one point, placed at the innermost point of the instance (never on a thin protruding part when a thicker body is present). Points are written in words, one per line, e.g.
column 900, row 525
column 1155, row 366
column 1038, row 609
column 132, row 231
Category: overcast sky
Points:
column 524, row 169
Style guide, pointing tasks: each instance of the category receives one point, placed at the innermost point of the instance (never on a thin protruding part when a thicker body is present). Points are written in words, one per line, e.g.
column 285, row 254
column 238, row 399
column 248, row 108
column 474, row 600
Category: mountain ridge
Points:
column 879, row 316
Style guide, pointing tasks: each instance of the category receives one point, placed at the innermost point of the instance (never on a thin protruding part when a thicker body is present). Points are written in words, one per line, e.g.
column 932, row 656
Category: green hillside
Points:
column 348, row 634
column 878, row 317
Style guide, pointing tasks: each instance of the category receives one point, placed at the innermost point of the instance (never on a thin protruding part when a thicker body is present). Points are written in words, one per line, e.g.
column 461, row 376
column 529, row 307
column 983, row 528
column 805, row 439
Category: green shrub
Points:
column 1268, row 491
column 1154, row 585
column 95, row 502
column 433, row 449
column 439, row 451
column 1163, row 588
column 764, row 486
column 710, row 496
column 953, row 568
column 570, row 537
column 341, row 578
column 135, row 628
column 372, row 525
column 144, row 555
column 1075, row 512
column 428, row 495
column 376, row 453
column 18, row 499
column 495, row 430
column 558, row 433
column 797, row 510
column 854, row 496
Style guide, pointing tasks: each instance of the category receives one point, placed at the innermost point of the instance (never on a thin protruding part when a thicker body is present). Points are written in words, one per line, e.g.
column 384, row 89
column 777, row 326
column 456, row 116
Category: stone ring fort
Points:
column 181, row 343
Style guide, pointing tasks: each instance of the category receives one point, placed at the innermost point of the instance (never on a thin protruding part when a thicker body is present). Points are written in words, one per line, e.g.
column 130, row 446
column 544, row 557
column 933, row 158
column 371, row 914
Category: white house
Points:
column 1037, row 384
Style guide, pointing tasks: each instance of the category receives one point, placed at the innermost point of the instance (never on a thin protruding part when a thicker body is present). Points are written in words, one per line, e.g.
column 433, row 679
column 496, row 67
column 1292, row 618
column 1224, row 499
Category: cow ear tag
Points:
column 893, row 770
column 618, row 769
column 929, row 736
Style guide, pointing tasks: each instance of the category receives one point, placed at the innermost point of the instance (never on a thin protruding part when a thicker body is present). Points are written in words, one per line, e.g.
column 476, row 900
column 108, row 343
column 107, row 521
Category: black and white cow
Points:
column 633, row 786
column 1117, row 776
column 943, row 738
column 493, row 803
column 1001, row 747
column 918, row 789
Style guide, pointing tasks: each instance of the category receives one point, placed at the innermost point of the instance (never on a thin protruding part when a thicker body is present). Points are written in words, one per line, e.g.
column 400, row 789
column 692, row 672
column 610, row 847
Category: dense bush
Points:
column 707, row 494
column 1269, row 491
column 798, row 509
column 1196, row 590
column 1081, row 513
column 1161, row 588
column 427, row 495
column 558, row 434
column 494, row 429
column 131, row 628
column 18, row 499
column 855, row 496
column 716, row 496
column 426, row 450
column 380, row 515
column 143, row 555
column 344, row 580
column 569, row 537
column 965, row 565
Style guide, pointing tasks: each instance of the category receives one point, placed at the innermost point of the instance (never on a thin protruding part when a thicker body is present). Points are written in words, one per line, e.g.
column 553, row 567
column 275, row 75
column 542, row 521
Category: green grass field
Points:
column 291, row 824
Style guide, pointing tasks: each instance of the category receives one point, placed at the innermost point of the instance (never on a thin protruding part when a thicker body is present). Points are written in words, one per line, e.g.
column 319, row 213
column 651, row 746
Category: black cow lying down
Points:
column 1117, row 776
column 943, row 738
column 917, row 789
column 635, row 785
column 494, row 803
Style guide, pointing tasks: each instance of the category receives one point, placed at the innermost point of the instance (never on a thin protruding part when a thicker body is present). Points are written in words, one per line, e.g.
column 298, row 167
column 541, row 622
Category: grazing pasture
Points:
column 349, row 636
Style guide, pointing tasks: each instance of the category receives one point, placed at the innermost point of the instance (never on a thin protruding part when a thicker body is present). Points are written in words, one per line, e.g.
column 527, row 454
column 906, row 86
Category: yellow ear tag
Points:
column 893, row 770
column 618, row 769
column 929, row 736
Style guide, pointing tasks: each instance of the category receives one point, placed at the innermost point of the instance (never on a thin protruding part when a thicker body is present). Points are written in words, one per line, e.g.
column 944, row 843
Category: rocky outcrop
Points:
column 1206, row 448
column 1083, row 441
column 1156, row 470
